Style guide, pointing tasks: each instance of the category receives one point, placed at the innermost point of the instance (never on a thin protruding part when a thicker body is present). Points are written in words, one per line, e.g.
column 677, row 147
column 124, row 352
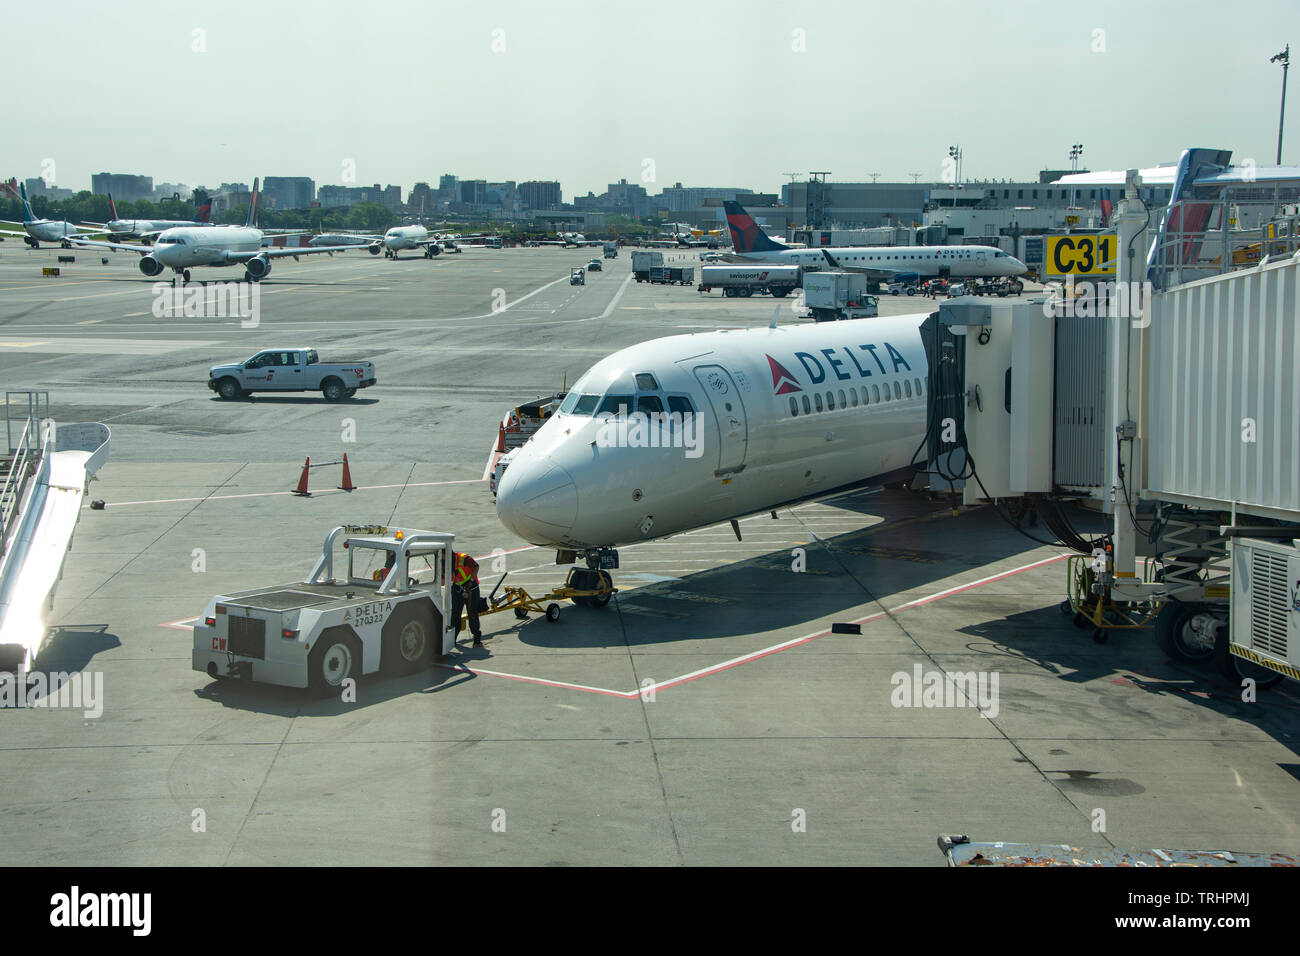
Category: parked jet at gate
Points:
column 751, row 244
column 35, row 231
column 180, row 248
column 782, row 414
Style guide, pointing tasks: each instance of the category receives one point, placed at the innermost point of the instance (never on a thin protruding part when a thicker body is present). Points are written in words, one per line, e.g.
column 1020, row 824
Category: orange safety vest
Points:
column 461, row 574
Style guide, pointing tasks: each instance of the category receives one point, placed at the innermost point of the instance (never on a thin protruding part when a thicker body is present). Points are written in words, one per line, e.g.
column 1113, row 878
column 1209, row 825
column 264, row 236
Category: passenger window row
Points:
column 870, row 395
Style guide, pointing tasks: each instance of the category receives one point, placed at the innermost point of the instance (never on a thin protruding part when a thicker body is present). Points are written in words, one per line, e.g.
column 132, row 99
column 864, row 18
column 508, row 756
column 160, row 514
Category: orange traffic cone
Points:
column 302, row 482
column 347, row 475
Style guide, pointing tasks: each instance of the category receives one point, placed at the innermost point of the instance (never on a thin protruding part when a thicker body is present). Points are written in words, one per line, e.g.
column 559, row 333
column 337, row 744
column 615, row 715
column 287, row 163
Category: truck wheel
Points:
column 1236, row 669
column 333, row 390
column 407, row 640
column 335, row 658
column 1177, row 637
column 351, row 392
column 779, row 293
column 552, row 612
column 229, row 389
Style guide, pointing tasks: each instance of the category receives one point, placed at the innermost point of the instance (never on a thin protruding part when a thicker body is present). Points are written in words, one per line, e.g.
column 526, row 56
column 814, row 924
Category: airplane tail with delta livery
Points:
column 251, row 222
column 746, row 234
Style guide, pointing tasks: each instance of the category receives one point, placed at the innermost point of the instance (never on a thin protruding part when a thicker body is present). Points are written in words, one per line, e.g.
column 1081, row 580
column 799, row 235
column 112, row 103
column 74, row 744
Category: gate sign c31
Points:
column 1087, row 255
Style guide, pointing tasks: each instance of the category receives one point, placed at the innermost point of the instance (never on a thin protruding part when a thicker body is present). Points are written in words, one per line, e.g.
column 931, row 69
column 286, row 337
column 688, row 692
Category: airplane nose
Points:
column 537, row 502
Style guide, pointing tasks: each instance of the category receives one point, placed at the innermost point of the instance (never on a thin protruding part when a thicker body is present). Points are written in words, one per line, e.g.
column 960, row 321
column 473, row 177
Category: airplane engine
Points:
column 258, row 268
column 435, row 249
column 150, row 266
column 375, row 248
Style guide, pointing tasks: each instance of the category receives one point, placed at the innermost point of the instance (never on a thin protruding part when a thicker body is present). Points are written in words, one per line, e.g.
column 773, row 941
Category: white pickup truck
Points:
column 387, row 612
column 291, row 370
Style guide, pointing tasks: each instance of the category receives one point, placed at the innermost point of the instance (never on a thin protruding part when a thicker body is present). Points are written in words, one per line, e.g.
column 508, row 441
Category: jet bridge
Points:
column 1169, row 401
column 45, row 470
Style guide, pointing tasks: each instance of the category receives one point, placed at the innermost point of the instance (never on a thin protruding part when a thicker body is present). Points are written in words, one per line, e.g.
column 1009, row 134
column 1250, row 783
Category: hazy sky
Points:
column 707, row 92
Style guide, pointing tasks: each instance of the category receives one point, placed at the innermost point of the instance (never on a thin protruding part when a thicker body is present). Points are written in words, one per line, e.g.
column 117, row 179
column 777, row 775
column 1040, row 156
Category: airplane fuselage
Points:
column 134, row 228
column 406, row 237
column 956, row 261
column 780, row 415
column 188, row 246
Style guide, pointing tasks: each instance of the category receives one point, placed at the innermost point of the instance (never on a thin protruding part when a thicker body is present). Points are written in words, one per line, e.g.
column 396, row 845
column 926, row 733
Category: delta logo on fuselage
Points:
column 784, row 381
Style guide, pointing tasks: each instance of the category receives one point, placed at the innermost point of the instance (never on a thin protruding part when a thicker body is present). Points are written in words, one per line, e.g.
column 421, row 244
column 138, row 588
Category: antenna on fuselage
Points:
column 776, row 314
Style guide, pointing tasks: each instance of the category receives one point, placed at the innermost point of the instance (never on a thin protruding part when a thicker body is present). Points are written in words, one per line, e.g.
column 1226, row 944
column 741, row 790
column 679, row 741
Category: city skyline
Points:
column 747, row 94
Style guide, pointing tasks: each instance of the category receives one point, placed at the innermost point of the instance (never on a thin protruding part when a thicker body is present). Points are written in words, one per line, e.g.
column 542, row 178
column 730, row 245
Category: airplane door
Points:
column 981, row 260
column 729, row 411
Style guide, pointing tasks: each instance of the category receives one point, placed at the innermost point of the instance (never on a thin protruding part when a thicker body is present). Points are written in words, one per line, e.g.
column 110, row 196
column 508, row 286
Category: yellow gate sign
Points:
column 1088, row 255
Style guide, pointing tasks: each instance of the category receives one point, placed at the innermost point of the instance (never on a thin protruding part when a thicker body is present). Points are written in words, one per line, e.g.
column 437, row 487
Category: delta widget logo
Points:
column 782, row 380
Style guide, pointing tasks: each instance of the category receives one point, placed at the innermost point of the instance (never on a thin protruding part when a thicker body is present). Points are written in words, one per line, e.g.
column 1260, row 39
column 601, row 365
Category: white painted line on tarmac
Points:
column 270, row 494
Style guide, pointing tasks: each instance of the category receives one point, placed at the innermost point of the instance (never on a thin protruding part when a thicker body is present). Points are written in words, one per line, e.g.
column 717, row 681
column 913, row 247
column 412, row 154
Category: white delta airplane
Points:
column 35, row 231
column 691, row 430
column 751, row 244
column 181, row 247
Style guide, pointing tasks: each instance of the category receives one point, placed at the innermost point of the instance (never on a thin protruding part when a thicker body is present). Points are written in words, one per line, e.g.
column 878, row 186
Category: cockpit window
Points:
column 171, row 240
column 651, row 404
column 576, row 404
column 616, row 405
column 645, row 382
column 680, row 404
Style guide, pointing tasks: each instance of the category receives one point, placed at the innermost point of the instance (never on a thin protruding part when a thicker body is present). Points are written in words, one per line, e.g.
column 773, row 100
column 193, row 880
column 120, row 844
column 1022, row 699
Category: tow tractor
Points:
column 386, row 613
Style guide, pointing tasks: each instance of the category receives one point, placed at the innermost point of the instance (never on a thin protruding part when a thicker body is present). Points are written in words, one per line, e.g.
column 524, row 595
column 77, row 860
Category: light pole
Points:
column 955, row 153
column 1285, row 58
column 1075, row 152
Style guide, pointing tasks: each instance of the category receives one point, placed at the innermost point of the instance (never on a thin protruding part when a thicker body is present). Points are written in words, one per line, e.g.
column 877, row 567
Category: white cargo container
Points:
column 735, row 280
column 838, row 295
column 643, row 262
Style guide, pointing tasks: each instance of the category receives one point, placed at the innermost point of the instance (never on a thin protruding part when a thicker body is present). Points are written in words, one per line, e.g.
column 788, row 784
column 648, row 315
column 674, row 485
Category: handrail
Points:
column 11, row 491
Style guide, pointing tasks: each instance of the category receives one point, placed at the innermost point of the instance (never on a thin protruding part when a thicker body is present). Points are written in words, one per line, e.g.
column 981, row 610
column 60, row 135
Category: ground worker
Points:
column 382, row 573
column 464, row 594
